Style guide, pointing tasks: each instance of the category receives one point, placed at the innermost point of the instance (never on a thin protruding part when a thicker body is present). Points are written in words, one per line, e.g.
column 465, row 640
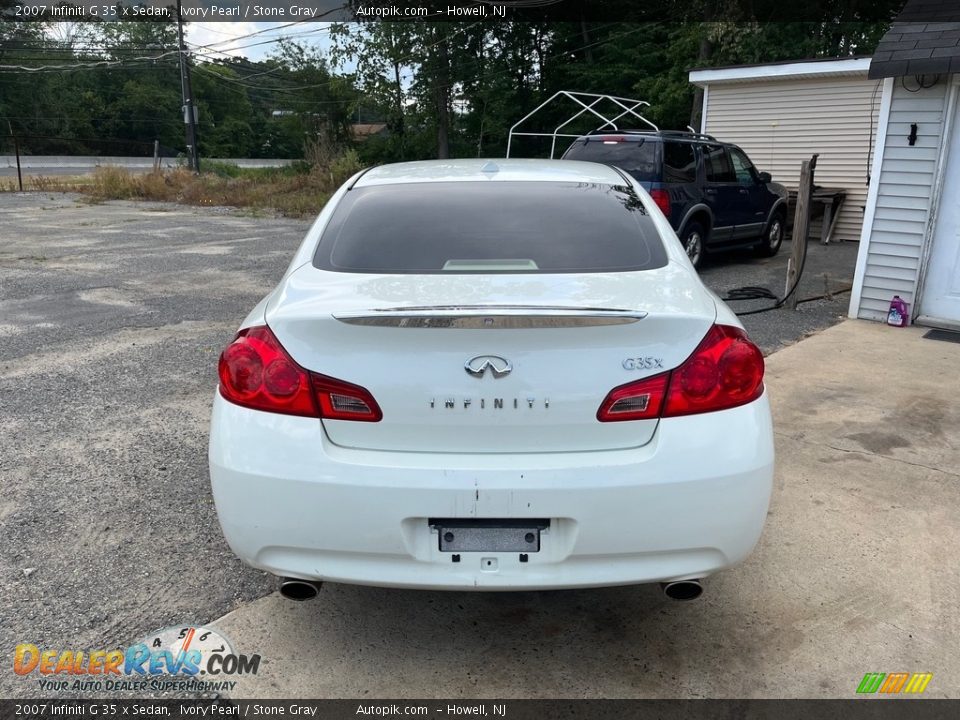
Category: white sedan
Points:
column 491, row 375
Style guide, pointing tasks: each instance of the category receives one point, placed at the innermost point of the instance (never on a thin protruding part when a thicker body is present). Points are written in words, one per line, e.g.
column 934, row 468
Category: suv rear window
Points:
column 637, row 157
column 490, row 227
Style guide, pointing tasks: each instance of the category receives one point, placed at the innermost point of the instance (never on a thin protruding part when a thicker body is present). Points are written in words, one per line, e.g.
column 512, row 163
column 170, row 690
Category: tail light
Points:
column 726, row 370
column 256, row 372
column 662, row 199
column 641, row 400
column 341, row 400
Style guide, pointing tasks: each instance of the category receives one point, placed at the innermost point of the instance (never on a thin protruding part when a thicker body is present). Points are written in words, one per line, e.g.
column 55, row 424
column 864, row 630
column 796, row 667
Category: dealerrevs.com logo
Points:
column 180, row 658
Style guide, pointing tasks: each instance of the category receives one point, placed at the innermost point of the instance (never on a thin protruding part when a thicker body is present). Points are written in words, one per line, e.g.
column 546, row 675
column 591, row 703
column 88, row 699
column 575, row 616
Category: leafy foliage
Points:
column 440, row 88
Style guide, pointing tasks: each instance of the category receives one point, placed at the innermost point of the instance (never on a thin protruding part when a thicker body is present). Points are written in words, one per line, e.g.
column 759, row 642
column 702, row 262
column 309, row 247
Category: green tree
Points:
column 224, row 111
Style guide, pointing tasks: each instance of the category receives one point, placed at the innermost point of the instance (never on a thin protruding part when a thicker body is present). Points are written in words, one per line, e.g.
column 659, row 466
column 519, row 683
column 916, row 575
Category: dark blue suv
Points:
column 709, row 190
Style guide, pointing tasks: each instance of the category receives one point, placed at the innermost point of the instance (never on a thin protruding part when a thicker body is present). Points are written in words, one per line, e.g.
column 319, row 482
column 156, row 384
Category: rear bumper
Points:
column 689, row 503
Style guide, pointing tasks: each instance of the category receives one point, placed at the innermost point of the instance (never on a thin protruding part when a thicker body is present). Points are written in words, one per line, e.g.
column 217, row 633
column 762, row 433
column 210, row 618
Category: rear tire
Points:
column 772, row 239
column 694, row 241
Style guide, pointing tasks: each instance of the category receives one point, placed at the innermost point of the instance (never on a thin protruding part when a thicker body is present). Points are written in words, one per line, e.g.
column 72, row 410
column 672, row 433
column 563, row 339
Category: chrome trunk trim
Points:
column 491, row 317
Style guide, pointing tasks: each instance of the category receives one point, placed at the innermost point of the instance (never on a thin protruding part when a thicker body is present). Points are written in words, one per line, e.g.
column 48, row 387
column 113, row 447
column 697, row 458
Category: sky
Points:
column 233, row 38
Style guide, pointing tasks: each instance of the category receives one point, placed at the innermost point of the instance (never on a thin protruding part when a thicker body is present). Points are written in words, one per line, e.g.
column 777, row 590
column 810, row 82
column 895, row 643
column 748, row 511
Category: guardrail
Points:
column 39, row 162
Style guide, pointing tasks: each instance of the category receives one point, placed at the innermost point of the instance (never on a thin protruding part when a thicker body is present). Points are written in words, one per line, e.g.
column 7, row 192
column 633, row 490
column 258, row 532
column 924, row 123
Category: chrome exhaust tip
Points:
column 299, row 590
column 682, row 589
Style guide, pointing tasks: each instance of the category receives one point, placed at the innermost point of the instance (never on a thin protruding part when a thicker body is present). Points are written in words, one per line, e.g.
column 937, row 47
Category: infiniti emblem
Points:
column 477, row 366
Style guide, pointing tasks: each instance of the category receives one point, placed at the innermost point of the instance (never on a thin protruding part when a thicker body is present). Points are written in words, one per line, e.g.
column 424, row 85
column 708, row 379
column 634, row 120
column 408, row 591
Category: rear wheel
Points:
column 772, row 237
column 694, row 240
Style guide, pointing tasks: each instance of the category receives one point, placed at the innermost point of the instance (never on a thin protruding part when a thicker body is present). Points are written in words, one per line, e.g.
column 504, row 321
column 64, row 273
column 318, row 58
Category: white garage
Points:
column 782, row 113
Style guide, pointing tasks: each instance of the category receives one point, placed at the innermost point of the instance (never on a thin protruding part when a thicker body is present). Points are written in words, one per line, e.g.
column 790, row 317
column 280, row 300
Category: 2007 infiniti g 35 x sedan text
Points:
column 491, row 375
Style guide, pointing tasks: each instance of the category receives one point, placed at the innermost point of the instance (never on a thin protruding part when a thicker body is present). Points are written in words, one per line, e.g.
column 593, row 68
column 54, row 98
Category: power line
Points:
column 279, row 27
column 264, row 88
column 57, row 45
column 278, row 90
column 210, row 47
column 281, row 38
column 95, row 119
column 73, row 66
column 97, row 64
column 255, row 33
column 235, row 84
column 418, row 54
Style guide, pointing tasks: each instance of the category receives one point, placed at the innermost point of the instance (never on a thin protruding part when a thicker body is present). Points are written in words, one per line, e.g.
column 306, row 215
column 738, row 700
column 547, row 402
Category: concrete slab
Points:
column 856, row 572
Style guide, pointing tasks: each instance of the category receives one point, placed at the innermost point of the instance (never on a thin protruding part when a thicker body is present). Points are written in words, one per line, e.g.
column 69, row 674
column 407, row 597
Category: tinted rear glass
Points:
column 637, row 157
column 490, row 227
column 679, row 163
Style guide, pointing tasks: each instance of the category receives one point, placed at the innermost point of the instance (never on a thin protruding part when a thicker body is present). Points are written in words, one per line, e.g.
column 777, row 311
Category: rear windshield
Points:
column 490, row 227
column 637, row 157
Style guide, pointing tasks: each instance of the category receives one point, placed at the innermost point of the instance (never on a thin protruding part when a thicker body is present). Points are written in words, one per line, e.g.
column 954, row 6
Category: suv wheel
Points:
column 772, row 237
column 694, row 238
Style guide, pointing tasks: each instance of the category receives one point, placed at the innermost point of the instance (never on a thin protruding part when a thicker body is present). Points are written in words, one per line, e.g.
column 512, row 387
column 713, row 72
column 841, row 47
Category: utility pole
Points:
column 16, row 149
column 186, row 92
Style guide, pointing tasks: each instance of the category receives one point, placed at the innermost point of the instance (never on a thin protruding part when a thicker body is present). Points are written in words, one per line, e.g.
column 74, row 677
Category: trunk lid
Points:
column 490, row 363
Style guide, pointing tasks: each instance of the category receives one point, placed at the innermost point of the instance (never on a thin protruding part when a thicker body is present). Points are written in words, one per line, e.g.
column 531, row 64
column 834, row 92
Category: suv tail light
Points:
column 726, row 370
column 256, row 372
column 662, row 199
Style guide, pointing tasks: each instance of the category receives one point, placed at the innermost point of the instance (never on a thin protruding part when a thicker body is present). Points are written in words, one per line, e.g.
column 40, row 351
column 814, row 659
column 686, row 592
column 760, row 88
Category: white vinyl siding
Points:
column 780, row 122
column 907, row 175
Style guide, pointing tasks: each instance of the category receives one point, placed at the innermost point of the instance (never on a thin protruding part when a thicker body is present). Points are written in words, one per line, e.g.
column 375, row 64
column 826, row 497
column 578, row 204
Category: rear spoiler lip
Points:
column 490, row 316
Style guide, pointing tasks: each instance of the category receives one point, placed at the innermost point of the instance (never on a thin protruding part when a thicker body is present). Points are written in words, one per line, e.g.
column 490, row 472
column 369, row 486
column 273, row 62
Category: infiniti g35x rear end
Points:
column 491, row 375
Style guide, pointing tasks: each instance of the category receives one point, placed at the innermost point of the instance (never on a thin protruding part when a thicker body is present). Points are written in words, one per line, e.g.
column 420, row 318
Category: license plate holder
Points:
column 458, row 536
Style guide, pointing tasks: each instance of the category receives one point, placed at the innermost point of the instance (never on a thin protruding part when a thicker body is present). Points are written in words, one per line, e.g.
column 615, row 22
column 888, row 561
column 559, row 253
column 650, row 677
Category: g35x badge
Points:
column 643, row 363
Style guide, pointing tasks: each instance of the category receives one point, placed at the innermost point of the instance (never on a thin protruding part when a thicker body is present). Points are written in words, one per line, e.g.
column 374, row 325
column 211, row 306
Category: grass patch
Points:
column 231, row 170
column 46, row 183
column 296, row 190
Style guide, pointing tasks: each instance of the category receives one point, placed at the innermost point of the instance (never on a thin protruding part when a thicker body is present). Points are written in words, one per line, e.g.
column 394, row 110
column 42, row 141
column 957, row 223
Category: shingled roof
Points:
column 924, row 40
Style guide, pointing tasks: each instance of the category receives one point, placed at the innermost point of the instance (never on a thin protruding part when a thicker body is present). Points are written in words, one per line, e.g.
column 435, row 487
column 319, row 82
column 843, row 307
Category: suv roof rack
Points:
column 663, row 133
column 687, row 133
column 588, row 102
